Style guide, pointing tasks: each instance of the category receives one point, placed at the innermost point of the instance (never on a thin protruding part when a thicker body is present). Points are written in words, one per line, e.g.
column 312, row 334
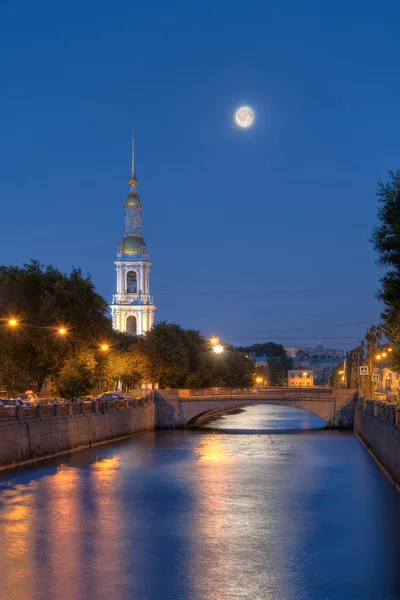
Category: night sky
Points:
column 254, row 234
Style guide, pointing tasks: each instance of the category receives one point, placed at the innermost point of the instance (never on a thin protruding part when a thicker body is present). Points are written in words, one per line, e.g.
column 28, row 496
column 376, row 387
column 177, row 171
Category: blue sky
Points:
column 254, row 234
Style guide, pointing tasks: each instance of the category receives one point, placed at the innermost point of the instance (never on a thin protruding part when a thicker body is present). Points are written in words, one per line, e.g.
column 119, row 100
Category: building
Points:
column 132, row 308
column 300, row 378
column 319, row 351
column 389, row 381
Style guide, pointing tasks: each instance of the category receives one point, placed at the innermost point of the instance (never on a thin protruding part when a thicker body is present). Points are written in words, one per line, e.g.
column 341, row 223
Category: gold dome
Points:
column 132, row 200
column 132, row 244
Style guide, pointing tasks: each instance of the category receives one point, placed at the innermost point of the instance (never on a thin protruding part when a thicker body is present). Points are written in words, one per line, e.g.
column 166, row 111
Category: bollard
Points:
column 94, row 407
column 40, row 412
column 70, row 409
column 106, row 405
column 57, row 411
column 20, row 414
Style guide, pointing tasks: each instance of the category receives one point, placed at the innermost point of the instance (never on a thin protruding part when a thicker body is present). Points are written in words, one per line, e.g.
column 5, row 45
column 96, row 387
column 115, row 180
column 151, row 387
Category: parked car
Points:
column 110, row 396
column 27, row 397
column 12, row 403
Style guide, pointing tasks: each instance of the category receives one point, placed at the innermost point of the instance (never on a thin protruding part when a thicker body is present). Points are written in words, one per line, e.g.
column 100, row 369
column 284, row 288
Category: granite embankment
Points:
column 31, row 433
column 378, row 426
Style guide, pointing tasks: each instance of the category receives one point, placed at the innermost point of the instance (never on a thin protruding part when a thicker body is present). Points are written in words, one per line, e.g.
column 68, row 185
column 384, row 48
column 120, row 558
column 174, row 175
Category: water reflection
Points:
column 204, row 515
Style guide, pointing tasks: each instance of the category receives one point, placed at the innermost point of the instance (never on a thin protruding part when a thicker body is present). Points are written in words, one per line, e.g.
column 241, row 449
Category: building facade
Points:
column 133, row 308
column 300, row 378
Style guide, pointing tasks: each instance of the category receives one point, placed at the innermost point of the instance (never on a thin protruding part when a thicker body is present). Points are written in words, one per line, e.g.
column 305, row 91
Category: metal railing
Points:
column 74, row 409
column 388, row 412
column 272, row 392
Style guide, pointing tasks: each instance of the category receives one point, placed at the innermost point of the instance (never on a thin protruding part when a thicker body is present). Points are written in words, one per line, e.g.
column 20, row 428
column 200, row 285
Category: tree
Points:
column 268, row 349
column 164, row 355
column 42, row 299
column 386, row 240
column 74, row 379
column 336, row 377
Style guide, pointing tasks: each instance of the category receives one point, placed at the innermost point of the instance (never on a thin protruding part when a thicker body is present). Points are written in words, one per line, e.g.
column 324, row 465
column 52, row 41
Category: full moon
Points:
column 244, row 116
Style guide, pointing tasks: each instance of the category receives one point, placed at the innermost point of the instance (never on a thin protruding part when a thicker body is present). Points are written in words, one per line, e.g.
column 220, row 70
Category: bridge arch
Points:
column 204, row 416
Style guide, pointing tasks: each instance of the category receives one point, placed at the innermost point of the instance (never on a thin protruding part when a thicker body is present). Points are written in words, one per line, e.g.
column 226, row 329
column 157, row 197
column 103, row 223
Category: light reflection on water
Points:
column 210, row 514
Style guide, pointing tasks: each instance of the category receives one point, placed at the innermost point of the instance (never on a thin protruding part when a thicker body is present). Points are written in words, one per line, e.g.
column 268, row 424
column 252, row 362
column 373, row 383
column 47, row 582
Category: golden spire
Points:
column 133, row 179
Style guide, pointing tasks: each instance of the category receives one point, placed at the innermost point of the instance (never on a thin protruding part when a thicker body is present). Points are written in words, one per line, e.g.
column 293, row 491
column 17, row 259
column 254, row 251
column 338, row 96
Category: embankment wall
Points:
column 382, row 439
column 20, row 442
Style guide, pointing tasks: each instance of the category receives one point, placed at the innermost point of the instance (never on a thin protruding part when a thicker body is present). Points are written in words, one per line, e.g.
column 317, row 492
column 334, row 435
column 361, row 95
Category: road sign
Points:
column 364, row 370
column 375, row 377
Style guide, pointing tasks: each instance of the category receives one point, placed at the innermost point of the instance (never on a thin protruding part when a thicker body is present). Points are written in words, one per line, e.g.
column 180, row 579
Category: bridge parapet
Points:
column 271, row 392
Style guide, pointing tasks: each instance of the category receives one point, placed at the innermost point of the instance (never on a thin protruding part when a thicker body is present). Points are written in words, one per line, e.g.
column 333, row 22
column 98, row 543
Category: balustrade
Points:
column 74, row 409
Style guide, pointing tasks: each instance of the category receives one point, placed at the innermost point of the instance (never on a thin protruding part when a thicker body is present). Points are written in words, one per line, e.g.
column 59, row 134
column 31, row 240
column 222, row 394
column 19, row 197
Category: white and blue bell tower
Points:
column 132, row 308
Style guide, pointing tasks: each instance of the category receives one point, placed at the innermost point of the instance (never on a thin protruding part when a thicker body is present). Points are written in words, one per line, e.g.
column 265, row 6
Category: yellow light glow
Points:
column 378, row 357
column 259, row 379
column 343, row 378
column 390, row 349
column 341, row 372
column 384, row 354
column 218, row 349
column 214, row 340
column 104, row 347
column 13, row 322
column 305, row 374
column 62, row 331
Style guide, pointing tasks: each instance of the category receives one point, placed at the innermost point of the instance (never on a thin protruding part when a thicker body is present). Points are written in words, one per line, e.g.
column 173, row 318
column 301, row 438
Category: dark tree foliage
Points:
column 177, row 358
column 279, row 363
column 268, row 349
column 42, row 299
column 386, row 240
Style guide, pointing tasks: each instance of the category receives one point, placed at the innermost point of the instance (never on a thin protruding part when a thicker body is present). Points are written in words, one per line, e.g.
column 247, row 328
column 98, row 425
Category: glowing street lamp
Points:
column 104, row 347
column 62, row 331
column 218, row 349
column 390, row 349
column 13, row 322
column 259, row 379
column 214, row 341
column 384, row 354
column 378, row 357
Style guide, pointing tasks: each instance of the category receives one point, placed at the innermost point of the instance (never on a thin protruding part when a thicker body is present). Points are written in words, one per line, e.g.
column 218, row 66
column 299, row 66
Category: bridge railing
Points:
column 271, row 392
column 71, row 409
column 388, row 412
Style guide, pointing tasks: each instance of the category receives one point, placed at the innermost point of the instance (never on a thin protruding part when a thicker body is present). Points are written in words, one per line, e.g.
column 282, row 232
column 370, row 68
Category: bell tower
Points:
column 132, row 308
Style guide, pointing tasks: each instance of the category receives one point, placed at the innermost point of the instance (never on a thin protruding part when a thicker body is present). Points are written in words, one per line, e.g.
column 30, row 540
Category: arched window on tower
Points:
column 131, row 282
column 132, row 223
column 131, row 325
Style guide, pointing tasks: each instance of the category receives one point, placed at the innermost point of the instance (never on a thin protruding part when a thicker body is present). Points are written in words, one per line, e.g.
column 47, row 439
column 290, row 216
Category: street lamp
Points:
column 214, row 341
column 218, row 349
column 13, row 322
column 104, row 347
column 62, row 331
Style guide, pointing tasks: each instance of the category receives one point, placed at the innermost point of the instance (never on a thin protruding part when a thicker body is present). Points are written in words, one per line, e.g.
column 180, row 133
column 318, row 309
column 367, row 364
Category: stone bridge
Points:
column 185, row 408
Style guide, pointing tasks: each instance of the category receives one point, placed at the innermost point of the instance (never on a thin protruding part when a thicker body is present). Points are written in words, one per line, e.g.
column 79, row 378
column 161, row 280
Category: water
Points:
column 253, row 506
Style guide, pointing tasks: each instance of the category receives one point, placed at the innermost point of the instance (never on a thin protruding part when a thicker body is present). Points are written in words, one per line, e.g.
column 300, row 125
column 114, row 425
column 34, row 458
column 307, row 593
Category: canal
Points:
column 261, row 504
